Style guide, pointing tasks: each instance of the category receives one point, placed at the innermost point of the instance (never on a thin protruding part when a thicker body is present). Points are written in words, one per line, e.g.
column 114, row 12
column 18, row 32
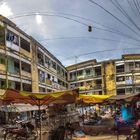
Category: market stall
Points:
column 39, row 99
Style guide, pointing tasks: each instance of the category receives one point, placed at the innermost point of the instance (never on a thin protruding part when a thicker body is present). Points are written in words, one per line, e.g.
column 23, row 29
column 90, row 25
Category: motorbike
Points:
column 135, row 134
column 26, row 130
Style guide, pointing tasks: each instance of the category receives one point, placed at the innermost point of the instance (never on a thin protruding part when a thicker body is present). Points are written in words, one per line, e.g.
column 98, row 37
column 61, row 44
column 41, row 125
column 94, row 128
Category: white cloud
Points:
column 38, row 19
column 5, row 10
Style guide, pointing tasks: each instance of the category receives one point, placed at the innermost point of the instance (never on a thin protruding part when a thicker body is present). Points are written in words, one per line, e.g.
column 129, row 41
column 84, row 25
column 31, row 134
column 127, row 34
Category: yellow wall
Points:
column 26, row 53
column 109, row 83
column 35, row 82
column 2, row 68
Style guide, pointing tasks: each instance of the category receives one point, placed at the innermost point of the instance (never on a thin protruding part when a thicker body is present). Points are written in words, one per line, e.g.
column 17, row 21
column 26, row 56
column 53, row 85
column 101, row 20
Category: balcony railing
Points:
column 25, row 73
column 96, row 87
column 120, row 70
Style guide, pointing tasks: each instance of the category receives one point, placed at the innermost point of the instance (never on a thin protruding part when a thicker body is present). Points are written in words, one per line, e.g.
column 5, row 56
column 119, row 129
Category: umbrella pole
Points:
column 39, row 120
column 83, row 111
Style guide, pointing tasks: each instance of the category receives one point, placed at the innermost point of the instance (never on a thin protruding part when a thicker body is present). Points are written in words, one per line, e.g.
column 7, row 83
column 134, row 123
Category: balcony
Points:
column 15, row 71
column 97, row 75
column 89, row 87
column 97, row 87
column 2, row 68
column 120, row 83
column 119, row 71
column 48, row 82
column 26, row 74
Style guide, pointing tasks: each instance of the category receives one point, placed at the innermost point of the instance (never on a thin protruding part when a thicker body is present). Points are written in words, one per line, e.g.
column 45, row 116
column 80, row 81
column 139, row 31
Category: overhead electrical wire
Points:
column 132, row 8
column 137, row 8
column 85, row 37
column 95, row 52
column 77, row 16
column 139, row 3
column 126, row 15
column 75, row 20
column 123, row 23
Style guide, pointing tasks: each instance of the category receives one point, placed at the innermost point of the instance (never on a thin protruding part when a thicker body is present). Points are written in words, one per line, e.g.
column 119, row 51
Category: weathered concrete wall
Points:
column 109, row 84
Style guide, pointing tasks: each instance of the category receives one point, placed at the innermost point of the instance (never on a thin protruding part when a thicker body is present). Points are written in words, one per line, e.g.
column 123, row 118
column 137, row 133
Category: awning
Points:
column 127, row 97
column 92, row 98
column 20, row 108
column 14, row 96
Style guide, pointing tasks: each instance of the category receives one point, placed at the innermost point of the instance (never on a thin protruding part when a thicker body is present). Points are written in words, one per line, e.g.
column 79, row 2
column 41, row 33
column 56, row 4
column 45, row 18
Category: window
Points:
column 53, row 65
column 80, row 72
column 12, row 37
column 72, row 75
column 131, row 66
column 41, row 75
column 41, row 89
column 24, row 44
column 27, row 87
column 60, row 82
column 88, row 71
column 81, row 84
column 40, row 58
column 120, row 91
column 49, row 90
column 137, row 64
column 129, row 90
column 58, row 69
column 98, row 71
column 16, row 66
column 100, row 92
column 49, row 76
column 137, row 89
column 2, row 59
column 47, row 61
column 14, row 85
column 129, row 80
column 13, row 65
column 120, row 79
column 62, row 72
column 2, row 84
column 26, row 67
column 66, row 76
column 120, row 69
column 98, row 82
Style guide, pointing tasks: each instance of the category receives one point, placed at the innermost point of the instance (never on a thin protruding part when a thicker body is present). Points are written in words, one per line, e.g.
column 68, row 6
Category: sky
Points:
column 62, row 26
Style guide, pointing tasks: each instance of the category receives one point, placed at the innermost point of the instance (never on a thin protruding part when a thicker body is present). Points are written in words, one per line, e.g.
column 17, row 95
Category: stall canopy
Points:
column 39, row 99
column 127, row 98
column 92, row 98
column 14, row 96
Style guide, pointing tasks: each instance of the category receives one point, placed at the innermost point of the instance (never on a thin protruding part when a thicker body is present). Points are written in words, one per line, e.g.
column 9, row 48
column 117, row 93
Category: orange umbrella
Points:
column 14, row 96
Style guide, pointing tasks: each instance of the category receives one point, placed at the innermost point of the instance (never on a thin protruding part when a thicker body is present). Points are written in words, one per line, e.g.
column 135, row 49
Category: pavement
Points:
column 104, row 137
column 100, row 136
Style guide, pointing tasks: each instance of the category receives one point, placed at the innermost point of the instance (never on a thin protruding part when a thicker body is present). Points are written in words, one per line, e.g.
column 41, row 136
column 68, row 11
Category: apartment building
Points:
column 87, row 76
column 119, row 76
column 128, row 74
column 27, row 65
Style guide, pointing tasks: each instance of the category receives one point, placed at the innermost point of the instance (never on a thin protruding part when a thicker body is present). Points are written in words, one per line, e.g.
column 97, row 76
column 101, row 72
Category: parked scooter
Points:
column 26, row 130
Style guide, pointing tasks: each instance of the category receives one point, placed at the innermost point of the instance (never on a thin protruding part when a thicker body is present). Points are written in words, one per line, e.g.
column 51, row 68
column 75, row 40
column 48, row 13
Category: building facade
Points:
column 25, row 64
column 120, row 76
